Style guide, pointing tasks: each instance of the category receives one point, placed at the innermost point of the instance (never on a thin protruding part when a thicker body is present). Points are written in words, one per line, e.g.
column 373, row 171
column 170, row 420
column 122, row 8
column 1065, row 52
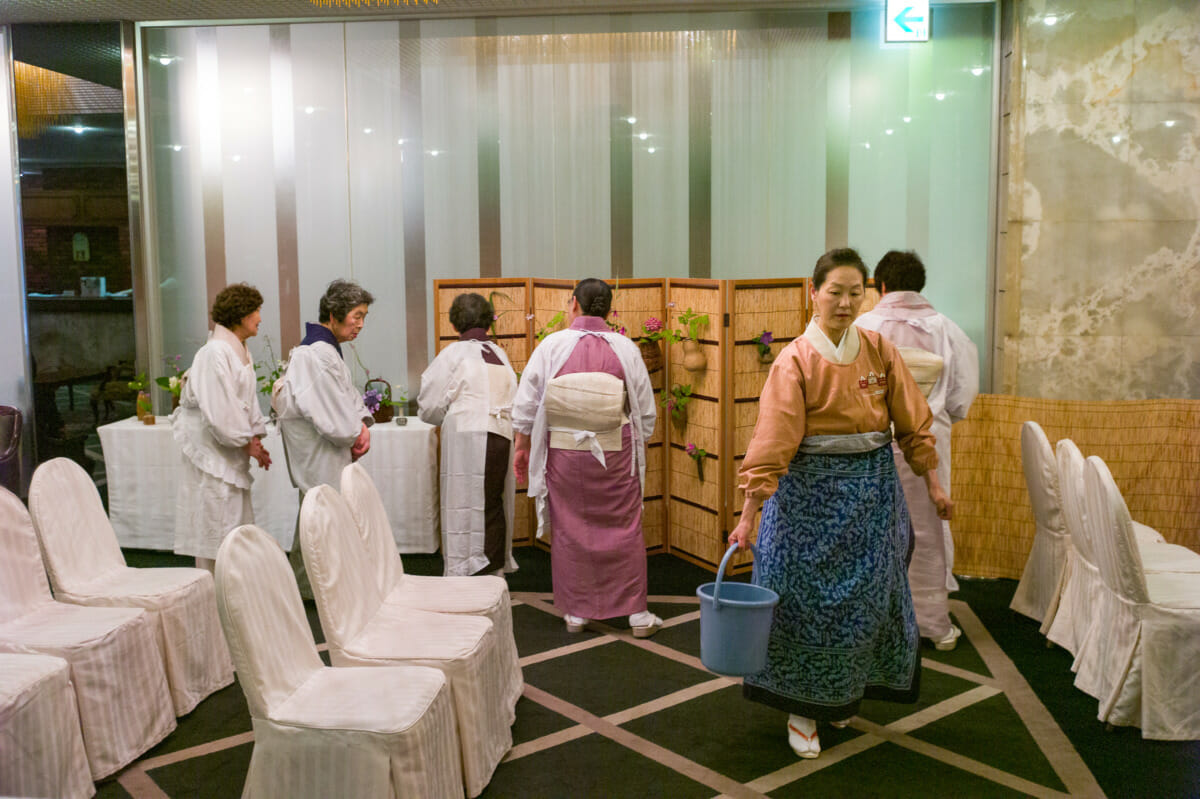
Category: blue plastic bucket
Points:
column 735, row 622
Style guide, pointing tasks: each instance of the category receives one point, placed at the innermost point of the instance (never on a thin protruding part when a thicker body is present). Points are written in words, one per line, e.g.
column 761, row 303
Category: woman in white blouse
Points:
column 219, row 428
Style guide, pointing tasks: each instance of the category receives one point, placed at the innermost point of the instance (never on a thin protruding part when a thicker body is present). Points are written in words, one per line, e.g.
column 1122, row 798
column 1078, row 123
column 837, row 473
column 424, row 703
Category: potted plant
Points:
column 694, row 359
column 172, row 383
column 763, row 343
column 143, row 407
column 698, row 455
column 654, row 331
column 676, row 401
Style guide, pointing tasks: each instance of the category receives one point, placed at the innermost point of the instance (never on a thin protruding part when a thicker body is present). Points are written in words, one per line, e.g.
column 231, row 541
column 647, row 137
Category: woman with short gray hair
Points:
column 322, row 417
column 468, row 390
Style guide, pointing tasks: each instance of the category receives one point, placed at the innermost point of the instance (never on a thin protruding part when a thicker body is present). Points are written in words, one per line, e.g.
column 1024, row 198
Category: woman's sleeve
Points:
column 911, row 417
column 215, row 386
column 779, row 430
column 529, row 391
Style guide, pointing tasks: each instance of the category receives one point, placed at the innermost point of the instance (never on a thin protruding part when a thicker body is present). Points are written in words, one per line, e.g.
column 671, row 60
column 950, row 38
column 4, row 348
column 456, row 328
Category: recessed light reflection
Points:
column 435, row 153
column 631, row 120
column 867, row 145
column 79, row 129
column 650, row 150
column 176, row 147
column 1050, row 20
column 1116, row 139
column 906, row 119
column 888, row 132
column 367, row 130
column 1170, row 123
column 165, row 60
column 308, row 109
column 236, row 158
column 643, row 135
column 939, row 96
column 977, row 71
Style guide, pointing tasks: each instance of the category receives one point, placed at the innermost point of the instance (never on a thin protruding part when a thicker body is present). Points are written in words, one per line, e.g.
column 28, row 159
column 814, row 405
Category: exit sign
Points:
column 906, row 21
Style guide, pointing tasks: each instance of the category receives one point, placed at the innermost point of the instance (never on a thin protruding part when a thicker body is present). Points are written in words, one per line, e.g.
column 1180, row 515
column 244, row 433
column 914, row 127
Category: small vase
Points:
column 694, row 359
column 766, row 357
column 699, row 468
column 651, row 355
column 679, row 417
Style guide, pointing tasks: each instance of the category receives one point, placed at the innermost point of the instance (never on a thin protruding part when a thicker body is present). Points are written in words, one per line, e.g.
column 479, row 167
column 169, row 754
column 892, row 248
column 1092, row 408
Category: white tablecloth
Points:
column 143, row 464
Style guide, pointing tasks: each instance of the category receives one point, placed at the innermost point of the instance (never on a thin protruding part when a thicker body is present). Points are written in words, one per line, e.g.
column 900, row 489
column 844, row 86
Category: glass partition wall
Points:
column 724, row 145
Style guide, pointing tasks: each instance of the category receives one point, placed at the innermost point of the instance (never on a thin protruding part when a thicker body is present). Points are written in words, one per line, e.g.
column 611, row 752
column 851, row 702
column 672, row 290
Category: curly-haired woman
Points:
column 219, row 428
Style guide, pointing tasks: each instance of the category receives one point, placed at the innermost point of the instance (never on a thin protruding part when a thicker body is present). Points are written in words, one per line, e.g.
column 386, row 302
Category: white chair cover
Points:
column 363, row 631
column 484, row 595
column 116, row 664
column 41, row 747
column 322, row 732
column 1037, row 593
column 1150, row 652
column 86, row 567
column 1084, row 606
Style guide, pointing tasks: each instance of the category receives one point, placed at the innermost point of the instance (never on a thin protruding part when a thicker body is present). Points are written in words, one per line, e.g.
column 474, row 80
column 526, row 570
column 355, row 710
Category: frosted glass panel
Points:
column 745, row 143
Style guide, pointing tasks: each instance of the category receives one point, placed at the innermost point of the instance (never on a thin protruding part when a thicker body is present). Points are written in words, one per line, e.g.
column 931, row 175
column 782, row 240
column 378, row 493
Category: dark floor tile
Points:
column 314, row 620
column 592, row 767
column 153, row 558
column 219, row 775
column 935, row 687
column 223, row 714
column 534, row 721
column 612, row 677
column 111, row 789
column 537, row 631
column 963, row 656
column 1007, row 745
column 721, row 730
column 888, row 771
column 682, row 637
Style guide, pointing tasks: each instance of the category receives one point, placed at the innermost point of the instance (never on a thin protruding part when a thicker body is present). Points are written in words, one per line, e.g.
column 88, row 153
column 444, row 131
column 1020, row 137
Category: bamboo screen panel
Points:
column 756, row 306
column 697, row 512
column 1152, row 448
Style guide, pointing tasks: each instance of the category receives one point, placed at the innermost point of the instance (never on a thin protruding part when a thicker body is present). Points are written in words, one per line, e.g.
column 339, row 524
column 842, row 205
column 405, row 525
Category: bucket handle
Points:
column 721, row 572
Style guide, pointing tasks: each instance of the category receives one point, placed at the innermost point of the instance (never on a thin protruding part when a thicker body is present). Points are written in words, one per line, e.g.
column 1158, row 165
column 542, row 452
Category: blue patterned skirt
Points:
column 833, row 543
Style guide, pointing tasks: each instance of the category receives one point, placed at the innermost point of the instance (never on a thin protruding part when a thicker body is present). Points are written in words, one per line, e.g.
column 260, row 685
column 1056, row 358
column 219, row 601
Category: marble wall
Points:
column 1100, row 229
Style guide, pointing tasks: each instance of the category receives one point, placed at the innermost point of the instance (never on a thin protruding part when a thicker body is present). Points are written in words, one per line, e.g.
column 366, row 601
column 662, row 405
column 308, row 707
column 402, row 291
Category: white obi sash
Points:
column 586, row 411
column 500, row 394
column 926, row 367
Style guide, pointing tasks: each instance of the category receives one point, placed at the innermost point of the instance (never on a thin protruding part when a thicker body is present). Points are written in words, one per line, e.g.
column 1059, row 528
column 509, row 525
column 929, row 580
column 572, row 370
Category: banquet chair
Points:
column 41, row 746
column 362, row 630
column 485, row 595
column 10, row 448
column 1084, row 606
column 1151, row 646
column 116, row 664
column 320, row 732
column 1041, row 581
column 86, row 567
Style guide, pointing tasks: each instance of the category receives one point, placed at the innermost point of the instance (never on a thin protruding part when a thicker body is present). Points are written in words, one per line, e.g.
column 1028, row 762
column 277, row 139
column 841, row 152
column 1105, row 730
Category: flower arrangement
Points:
column 139, row 383
column 675, row 401
column 171, row 383
column 274, row 369
column 763, row 342
column 614, row 322
column 144, row 408
column 698, row 455
column 554, row 324
column 694, row 322
column 654, row 330
column 378, row 394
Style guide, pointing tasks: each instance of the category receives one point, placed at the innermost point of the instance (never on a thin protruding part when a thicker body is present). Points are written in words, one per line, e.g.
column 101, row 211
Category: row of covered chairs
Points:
column 1112, row 592
column 141, row 646
column 425, row 678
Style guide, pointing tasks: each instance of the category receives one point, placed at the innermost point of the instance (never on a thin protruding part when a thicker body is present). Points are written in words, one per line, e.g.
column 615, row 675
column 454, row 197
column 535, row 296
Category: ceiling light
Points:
column 1050, row 20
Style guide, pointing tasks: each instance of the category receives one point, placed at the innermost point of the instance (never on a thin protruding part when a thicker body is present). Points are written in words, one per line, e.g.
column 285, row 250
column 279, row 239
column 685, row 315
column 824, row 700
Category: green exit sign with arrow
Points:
column 906, row 21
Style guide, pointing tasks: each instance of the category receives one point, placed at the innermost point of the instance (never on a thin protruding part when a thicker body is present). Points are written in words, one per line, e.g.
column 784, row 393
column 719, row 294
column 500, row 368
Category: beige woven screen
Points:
column 1152, row 448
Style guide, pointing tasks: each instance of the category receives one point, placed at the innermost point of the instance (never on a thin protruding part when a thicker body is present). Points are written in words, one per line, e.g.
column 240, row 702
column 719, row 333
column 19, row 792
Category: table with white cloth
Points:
column 144, row 466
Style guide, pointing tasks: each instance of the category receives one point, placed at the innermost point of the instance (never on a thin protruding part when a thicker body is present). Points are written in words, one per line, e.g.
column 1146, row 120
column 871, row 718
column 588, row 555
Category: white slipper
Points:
column 802, row 736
